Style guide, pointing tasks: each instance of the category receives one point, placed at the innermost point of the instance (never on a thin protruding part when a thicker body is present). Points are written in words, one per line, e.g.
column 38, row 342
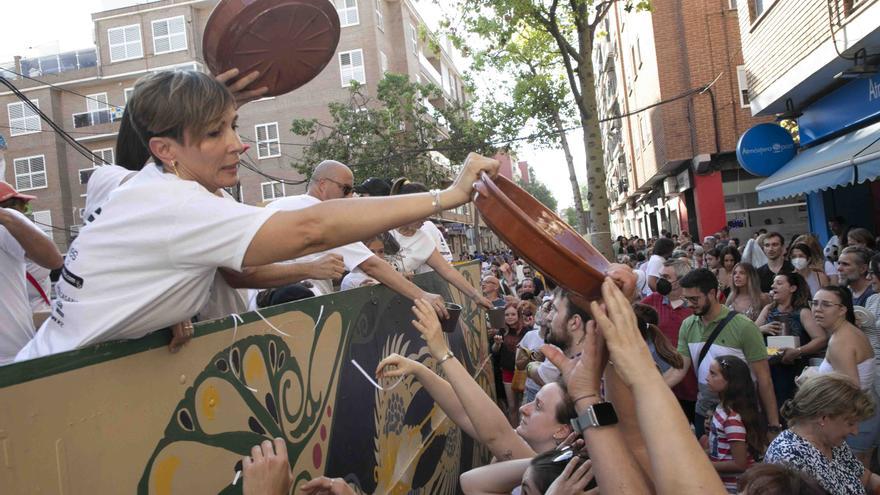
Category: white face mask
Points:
column 799, row 263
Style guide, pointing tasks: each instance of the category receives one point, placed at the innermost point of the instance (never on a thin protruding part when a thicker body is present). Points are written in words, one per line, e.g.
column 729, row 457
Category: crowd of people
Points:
column 713, row 367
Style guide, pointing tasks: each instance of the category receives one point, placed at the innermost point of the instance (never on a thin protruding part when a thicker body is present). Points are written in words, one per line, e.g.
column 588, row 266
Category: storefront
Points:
column 838, row 159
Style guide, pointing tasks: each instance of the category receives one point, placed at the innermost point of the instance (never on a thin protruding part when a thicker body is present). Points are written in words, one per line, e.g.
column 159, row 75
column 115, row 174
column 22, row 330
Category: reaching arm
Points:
column 329, row 266
column 382, row 271
column 36, row 245
column 761, row 369
column 439, row 389
column 451, row 275
column 661, row 421
column 291, row 234
column 491, row 426
column 499, row 478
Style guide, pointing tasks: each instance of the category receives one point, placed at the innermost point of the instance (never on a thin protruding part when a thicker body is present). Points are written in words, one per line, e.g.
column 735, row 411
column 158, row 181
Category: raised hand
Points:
column 396, row 365
column 474, row 165
column 618, row 324
column 578, row 473
column 239, row 88
column 436, row 301
column 428, row 325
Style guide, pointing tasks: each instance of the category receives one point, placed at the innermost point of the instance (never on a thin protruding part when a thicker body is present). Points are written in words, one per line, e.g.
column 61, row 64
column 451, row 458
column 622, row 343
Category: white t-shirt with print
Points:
column 414, row 251
column 356, row 278
column 103, row 181
column 146, row 261
column 352, row 254
column 16, row 321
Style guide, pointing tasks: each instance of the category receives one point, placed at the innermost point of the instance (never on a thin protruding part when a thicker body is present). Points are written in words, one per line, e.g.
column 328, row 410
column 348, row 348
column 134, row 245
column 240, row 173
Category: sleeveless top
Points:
column 813, row 282
column 866, row 371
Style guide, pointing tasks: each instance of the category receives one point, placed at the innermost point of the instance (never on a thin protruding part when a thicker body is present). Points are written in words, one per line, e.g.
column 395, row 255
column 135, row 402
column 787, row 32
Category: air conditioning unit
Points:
column 670, row 186
column 702, row 164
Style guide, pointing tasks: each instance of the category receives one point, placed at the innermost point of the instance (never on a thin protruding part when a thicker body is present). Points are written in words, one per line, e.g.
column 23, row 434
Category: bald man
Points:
column 333, row 180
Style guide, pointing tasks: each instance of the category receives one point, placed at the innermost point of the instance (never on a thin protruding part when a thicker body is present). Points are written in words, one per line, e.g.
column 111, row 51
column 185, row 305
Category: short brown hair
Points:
column 777, row 479
column 830, row 394
column 178, row 104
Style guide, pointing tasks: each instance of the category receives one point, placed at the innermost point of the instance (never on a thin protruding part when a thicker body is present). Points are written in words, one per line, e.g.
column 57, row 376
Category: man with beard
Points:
column 567, row 329
column 738, row 336
column 852, row 268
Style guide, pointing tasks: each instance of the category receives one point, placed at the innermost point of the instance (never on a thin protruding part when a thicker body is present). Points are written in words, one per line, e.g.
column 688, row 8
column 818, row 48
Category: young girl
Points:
column 737, row 434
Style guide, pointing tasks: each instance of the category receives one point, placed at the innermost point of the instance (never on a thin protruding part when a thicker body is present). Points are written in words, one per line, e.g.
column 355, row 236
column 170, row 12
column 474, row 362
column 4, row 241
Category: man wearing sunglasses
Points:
column 333, row 180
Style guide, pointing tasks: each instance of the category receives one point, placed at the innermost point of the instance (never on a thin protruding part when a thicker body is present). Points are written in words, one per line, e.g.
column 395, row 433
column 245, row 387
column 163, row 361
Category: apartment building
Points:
column 816, row 62
column 669, row 147
column 85, row 92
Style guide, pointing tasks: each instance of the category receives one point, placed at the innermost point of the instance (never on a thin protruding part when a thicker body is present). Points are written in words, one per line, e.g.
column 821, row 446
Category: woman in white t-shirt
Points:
column 147, row 257
column 418, row 249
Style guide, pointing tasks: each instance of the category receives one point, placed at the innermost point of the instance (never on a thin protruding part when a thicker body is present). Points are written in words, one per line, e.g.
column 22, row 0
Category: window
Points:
column 43, row 219
column 102, row 157
column 348, row 12
column 169, row 35
column 96, row 102
column 638, row 53
column 731, row 4
column 351, row 67
column 647, row 137
column 23, row 119
column 383, row 61
column 30, row 172
column 268, row 145
column 126, row 93
column 414, row 39
column 272, row 190
column 380, row 19
column 125, row 43
column 743, row 80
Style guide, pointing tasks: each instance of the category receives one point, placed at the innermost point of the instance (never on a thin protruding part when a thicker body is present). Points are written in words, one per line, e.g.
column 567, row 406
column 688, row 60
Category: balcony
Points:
column 97, row 117
column 59, row 62
column 430, row 71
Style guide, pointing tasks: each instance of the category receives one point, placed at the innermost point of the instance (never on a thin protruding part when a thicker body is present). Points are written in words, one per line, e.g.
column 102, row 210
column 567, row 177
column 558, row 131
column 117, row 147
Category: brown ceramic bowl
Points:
column 288, row 41
column 541, row 237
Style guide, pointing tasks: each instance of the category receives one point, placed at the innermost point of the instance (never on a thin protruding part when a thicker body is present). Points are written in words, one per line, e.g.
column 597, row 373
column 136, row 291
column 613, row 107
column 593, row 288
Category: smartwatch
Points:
column 599, row 414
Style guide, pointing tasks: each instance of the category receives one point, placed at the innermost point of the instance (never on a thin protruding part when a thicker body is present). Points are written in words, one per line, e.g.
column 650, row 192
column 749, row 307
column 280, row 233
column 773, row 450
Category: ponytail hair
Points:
column 647, row 320
column 131, row 152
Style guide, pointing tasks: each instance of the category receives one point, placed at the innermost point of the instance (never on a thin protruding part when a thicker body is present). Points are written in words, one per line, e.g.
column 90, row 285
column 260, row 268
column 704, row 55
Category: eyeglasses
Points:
column 528, row 314
column 346, row 188
column 691, row 299
column 823, row 304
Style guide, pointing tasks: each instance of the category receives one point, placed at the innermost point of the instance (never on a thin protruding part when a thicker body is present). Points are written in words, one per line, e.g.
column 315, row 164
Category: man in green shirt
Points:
column 740, row 337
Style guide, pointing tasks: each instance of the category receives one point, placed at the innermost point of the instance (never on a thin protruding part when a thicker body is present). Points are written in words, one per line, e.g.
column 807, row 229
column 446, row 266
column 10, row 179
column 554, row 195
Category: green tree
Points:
column 540, row 98
column 540, row 191
column 406, row 130
column 573, row 26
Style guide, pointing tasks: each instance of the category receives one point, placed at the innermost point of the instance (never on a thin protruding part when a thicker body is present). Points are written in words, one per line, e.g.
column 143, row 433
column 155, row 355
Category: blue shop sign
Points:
column 854, row 104
column 764, row 149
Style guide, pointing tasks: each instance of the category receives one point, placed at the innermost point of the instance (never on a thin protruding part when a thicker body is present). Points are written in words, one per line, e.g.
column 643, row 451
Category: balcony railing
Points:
column 97, row 117
column 59, row 62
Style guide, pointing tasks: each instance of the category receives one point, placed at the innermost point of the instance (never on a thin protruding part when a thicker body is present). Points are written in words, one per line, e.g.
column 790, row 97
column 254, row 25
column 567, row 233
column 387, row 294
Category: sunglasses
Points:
column 346, row 189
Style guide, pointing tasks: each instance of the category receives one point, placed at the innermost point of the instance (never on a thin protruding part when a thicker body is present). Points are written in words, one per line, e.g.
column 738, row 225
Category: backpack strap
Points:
column 705, row 350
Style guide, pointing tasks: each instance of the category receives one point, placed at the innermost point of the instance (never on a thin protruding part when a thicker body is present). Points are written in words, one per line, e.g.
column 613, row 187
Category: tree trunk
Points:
column 575, row 187
column 597, row 196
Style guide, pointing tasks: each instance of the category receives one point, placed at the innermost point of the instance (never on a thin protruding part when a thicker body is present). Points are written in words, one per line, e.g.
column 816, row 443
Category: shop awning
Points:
column 851, row 158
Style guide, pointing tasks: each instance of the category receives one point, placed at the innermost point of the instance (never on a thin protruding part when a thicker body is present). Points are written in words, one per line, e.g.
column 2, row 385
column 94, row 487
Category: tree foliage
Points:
column 402, row 131
column 540, row 191
column 572, row 27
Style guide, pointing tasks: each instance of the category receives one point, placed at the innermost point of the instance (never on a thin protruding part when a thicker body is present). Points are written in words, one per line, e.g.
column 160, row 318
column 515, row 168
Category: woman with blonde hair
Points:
column 824, row 411
column 745, row 291
column 147, row 257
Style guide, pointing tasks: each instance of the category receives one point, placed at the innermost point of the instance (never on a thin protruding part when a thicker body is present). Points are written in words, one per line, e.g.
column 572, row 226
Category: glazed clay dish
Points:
column 541, row 237
column 288, row 41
